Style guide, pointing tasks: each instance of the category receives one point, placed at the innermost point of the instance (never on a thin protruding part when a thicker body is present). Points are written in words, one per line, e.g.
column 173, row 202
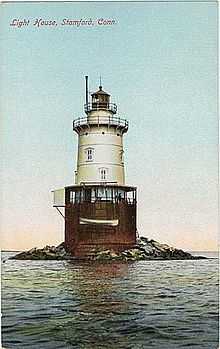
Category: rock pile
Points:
column 46, row 253
column 145, row 249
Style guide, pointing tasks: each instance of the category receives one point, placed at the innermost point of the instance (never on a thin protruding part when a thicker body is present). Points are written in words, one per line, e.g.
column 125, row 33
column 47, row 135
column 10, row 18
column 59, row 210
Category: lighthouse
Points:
column 99, row 208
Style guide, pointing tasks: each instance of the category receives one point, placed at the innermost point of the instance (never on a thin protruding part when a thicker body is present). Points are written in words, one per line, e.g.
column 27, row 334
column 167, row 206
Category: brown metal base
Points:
column 82, row 239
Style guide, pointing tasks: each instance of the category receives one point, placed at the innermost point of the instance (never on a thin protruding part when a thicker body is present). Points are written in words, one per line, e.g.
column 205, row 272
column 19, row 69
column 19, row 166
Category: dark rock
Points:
column 46, row 253
column 145, row 249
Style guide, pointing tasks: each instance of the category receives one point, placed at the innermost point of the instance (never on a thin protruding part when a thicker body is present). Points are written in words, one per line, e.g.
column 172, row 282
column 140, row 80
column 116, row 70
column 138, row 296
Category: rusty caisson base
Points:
column 99, row 217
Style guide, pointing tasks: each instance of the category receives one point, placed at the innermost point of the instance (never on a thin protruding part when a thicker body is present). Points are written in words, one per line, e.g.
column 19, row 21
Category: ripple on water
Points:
column 168, row 305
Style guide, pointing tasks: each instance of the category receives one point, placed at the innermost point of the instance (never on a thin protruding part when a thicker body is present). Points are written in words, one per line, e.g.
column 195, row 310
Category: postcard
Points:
column 109, row 213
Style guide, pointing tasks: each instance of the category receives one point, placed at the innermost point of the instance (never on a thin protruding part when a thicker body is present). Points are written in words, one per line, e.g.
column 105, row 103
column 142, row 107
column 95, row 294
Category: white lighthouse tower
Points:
column 100, row 210
column 100, row 143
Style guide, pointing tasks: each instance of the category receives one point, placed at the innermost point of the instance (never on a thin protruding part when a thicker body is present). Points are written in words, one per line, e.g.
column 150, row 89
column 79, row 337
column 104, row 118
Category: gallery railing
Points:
column 100, row 120
column 100, row 106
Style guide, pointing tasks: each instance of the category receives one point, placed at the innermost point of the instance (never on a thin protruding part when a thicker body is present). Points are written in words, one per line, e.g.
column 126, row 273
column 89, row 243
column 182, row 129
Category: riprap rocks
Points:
column 145, row 249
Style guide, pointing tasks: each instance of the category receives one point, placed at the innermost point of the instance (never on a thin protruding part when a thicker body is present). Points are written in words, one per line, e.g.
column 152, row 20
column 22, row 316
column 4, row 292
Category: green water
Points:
column 151, row 304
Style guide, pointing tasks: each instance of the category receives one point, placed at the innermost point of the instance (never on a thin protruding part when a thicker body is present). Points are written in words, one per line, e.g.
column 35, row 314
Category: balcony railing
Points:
column 120, row 123
column 100, row 106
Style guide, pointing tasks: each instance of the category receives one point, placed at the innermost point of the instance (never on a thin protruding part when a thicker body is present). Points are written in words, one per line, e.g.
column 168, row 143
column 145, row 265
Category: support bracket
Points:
column 60, row 212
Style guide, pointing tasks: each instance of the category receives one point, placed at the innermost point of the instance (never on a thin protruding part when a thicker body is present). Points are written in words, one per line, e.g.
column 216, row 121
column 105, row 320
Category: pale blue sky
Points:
column 159, row 63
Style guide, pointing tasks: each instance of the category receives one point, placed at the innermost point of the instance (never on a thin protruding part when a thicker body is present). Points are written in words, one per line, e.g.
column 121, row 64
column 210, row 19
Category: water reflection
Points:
column 97, row 309
column 60, row 304
column 98, row 288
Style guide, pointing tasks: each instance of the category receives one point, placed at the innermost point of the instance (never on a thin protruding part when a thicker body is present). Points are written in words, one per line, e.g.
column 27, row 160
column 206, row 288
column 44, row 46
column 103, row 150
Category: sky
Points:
column 159, row 63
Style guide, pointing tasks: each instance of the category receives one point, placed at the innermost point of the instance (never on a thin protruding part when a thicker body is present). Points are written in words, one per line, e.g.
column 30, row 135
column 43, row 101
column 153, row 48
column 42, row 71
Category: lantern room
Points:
column 100, row 101
column 100, row 98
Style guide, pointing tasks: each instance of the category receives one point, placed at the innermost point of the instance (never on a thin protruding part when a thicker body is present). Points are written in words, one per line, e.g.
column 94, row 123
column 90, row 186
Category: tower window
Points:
column 121, row 152
column 89, row 154
column 103, row 174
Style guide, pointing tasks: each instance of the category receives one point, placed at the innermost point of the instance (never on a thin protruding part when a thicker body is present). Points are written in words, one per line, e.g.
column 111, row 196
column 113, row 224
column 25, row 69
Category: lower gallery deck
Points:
column 100, row 217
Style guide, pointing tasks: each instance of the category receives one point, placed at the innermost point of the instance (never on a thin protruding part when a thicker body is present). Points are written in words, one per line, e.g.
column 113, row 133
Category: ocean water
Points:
column 147, row 304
